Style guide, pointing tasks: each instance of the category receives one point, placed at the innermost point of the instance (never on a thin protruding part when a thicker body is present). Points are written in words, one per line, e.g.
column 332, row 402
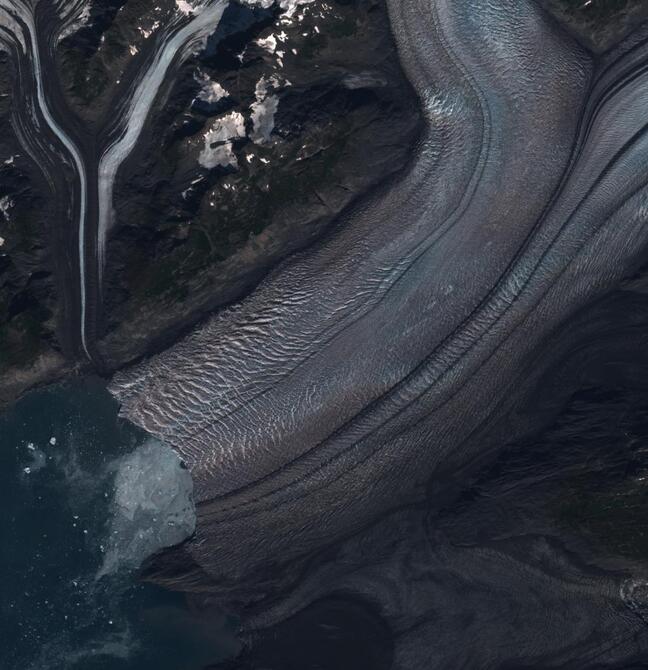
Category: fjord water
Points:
column 67, row 601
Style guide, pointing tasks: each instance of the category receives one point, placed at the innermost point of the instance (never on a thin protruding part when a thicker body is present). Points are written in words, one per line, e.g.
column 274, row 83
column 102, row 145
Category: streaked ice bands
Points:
column 387, row 356
column 176, row 44
column 185, row 33
column 22, row 17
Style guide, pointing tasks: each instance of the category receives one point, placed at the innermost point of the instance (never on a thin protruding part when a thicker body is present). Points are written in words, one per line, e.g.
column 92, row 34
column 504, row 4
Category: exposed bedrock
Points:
column 264, row 137
column 599, row 24
column 181, row 151
column 381, row 361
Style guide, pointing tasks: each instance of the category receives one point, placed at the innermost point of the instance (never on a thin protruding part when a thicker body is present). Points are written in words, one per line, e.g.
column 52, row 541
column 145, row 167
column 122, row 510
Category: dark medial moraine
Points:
column 354, row 298
column 316, row 476
column 33, row 270
column 334, row 114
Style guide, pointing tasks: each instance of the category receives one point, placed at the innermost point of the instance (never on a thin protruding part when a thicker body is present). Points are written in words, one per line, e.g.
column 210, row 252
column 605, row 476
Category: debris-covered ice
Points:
column 152, row 506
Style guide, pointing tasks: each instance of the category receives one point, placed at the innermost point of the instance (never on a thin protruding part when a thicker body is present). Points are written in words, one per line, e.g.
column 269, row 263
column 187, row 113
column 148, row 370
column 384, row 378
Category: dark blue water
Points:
column 58, row 448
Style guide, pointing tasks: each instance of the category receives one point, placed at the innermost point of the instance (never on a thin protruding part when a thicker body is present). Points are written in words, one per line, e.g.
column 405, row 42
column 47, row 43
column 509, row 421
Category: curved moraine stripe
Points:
column 375, row 361
column 18, row 25
column 174, row 43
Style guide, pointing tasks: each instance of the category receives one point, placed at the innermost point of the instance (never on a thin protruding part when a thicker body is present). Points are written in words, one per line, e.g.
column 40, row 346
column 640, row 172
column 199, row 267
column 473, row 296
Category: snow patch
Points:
column 147, row 33
column 218, row 149
column 289, row 6
column 265, row 4
column 6, row 203
column 211, row 91
column 263, row 111
column 76, row 23
column 185, row 7
column 268, row 43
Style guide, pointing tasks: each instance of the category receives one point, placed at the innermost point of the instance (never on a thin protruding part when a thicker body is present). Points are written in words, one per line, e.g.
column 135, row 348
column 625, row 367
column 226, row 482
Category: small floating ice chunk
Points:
column 38, row 459
column 152, row 506
column 2, row 241
column 52, row 441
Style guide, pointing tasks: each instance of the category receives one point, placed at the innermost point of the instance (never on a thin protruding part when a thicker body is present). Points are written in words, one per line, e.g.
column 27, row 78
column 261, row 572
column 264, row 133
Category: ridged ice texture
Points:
column 363, row 367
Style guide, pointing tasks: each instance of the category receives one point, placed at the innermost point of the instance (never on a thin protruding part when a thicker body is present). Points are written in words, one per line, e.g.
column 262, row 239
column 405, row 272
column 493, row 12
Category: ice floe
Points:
column 38, row 459
column 152, row 507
